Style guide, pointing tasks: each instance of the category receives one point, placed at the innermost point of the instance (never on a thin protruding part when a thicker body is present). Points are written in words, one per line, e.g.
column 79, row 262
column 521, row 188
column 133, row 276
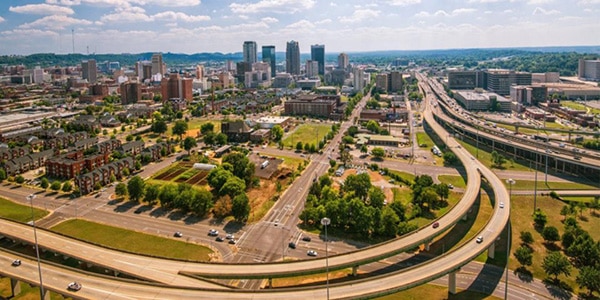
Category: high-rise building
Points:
column 381, row 82
column 250, row 52
column 359, row 79
column 292, row 58
column 312, row 68
column 268, row 56
column 589, row 69
column 157, row 64
column 176, row 87
column 38, row 75
column 499, row 81
column 88, row 70
column 131, row 92
column 317, row 52
column 199, row 72
column 395, row 84
column 343, row 61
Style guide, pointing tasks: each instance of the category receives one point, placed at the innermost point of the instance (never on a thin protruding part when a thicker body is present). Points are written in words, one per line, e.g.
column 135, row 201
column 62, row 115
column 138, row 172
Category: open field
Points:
column 550, row 185
column 432, row 291
column 306, row 133
column 521, row 220
column 575, row 105
column 132, row 241
column 17, row 212
column 27, row 292
column 455, row 180
column 424, row 139
column 486, row 158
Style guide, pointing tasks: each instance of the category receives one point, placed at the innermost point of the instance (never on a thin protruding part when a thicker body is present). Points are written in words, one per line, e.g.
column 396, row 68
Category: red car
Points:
column 435, row 225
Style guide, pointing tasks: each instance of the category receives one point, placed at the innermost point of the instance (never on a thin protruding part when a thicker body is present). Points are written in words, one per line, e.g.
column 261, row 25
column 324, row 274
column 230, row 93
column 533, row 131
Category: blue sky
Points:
column 192, row 26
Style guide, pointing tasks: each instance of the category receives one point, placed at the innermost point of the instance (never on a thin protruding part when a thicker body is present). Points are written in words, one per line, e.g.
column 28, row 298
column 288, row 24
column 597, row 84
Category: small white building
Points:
column 270, row 121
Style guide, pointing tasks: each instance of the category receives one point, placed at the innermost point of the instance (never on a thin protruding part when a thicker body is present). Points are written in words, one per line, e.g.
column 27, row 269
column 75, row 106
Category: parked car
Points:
column 311, row 253
column 74, row 286
column 213, row 232
column 219, row 239
column 232, row 241
column 16, row 262
column 230, row 236
column 178, row 234
column 501, row 204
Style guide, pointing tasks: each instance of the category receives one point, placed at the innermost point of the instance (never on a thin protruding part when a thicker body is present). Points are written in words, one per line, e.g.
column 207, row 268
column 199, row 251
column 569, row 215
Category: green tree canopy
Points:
column 135, row 188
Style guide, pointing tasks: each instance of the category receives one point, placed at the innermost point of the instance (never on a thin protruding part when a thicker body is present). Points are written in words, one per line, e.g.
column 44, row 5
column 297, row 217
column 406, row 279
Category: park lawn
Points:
column 551, row 185
column 434, row 291
column 424, row 139
column 585, row 199
column 132, row 241
column 306, row 133
column 27, row 292
column 455, row 180
column 290, row 162
column 407, row 176
column 453, row 198
column 18, row 212
column 575, row 105
column 486, row 158
column 402, row 194
column 521, row 220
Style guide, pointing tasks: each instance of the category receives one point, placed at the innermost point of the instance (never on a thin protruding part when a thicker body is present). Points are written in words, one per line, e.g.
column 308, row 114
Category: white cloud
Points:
column 403, row 2
column 269, row 20
column 278, row 6
column 64, row 2
column 20, row 33
column 2, row 19
column 125, row 17
column 41, row 9
column 56, row 22
column 459, row 11
column 302, row 24
column 588, row 2
column 325, row 21
column 332, row 4
column 541, row 11
column 443, row 13
column 360, row 15
column 538, row 2
column 178, row 16
column 174, row 3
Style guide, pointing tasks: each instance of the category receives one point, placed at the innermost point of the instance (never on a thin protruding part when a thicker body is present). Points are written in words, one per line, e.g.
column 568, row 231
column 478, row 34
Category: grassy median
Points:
column 132, row 241
column 18, row 212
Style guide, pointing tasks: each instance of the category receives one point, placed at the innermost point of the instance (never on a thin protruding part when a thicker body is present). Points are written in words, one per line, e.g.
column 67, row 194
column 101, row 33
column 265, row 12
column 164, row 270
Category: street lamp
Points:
column 37, row 249
column 510, row 182
column 325, row 222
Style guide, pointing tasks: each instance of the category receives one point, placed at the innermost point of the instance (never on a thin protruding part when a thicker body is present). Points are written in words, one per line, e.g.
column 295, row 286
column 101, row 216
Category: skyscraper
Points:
column 157, row 64
column 292, row 58
column 317, row 52
column 88, row 70
column 312, row 68
column 343, row 61
column 250, row 52
column 268, row 56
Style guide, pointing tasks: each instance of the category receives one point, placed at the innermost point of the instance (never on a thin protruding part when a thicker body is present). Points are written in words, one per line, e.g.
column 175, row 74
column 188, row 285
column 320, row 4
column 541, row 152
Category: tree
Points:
column 240, row 207
column 526, row 237
column 564, row 211
column 206, row 128
column 151, row 193
column 359, row 184
column 242, row 167
column 217, row 177
column 135, row 188
column 20, row 179
column 364, row 148
column 352, row 131
column 550, row 234
column 277, row 132
column 524, row 255
column 189, row 143
column 389, row 222
column 56, row 185
column 180, row 128
column 378, row 152
column 594, row 204
column 209, row 138
column 159, row 127
column 44, row 183
column 540, row 219
column 221, row 139
column 67, row 186
column 555, row 264
column 299, row 146
column 2, row 175
column 121, row 189
column 450, row 158
column 497, row 159
column 373, row 126
column 589, row 278
column 233, row 187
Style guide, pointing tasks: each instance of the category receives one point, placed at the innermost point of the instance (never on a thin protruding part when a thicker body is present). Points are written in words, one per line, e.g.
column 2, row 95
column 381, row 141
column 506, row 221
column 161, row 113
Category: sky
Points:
column 194, row 26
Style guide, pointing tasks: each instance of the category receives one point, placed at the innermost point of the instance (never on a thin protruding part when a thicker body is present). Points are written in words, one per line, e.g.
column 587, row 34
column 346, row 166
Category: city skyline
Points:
column 193, row 26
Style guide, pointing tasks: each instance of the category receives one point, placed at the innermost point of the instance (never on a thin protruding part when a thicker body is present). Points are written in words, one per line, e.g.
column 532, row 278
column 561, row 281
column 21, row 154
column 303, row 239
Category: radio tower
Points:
column 73, row 39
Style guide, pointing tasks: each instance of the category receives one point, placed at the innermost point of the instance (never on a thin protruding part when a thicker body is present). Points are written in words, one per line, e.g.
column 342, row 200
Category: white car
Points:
column 74, row 286
column 501, row 205
column 16, row 263
column 213, row 232
column 479, row 239
column 311, row 253
column 230, row 236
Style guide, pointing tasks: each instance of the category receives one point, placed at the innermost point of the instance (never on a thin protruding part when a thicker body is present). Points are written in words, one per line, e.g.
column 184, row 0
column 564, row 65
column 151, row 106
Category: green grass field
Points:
column 529, row 185
column 27, row 292
column 455, row 180
column 486, row 158
column 17, row 212
column 132, row 241
column 521, row 220
column 424, row 139
column 574, row 105
column 306, row 133
column 431, row 291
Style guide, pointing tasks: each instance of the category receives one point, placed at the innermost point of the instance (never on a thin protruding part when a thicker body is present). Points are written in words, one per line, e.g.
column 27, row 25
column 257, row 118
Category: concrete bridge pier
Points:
column 15, row 287
column 354, row 270
column 492, row 250
column 464, row 218
column 116, row 273
column 47, row 295
column 452, row 283
column 427, row 245
column 270, row 283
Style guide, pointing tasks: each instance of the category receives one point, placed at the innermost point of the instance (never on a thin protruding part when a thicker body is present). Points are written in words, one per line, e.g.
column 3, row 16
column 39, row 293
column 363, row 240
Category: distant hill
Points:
column 453, row 56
